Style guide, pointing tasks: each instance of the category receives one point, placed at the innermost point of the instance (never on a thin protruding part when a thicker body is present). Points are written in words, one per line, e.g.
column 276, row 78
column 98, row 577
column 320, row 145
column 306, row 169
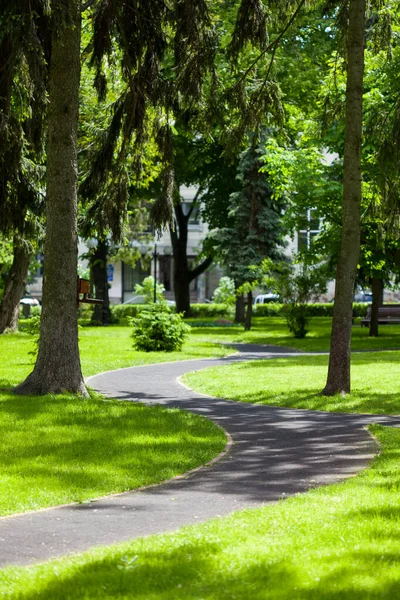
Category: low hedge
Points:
column 210, row 310
column 121, row 311
column 317, row 309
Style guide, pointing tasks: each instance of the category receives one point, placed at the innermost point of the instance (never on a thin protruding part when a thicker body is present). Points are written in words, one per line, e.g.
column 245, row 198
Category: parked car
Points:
column 135, row 300
column 30, row 301
column 363, row 297
column 265, row 299
column 142, row 300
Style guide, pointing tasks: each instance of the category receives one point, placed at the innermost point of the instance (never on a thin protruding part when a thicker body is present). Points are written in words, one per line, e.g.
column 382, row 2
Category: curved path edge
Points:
column 276, row 452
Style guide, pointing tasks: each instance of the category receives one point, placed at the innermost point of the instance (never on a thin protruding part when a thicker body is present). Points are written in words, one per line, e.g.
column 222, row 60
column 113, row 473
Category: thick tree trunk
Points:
column 183, row 275
column 182, row 295
column 377, row 288
column 58, row 366
column 249, row 311
column 239, row 309
column 98, row 264
column 339, row 359
column 14, row 288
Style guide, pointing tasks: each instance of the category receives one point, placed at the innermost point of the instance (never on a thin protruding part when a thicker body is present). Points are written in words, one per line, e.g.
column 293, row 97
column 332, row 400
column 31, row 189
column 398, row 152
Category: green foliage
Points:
column 122, row 311
column 157, row 329
column 255, row 231
column 85, row 311
column 32, row 327
column 210, row 310
column 315, row 309
column 297, row 286
column 146, row 289
column 225, row 292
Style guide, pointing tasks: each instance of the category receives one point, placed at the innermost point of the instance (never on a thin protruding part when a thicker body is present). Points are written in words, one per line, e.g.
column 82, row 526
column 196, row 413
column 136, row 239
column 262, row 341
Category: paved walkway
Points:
column 275, row 453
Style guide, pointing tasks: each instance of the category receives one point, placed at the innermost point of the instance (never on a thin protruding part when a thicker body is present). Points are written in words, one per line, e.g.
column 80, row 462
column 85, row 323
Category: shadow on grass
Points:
column 203, row 570
column 85, row 448
column 297, row 382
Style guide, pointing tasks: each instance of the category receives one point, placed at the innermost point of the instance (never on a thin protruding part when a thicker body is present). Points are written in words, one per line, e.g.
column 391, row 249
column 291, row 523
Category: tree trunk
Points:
column 14, row 287
column 58, row 366
column 239, row 309
column 183, row 275
column 339, row 359
column 98, row 264
column 377, row 288
column 249, row 311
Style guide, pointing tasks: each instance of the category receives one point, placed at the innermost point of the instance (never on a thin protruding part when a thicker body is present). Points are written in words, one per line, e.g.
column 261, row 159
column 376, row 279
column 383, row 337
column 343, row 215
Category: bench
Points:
column 388, row 314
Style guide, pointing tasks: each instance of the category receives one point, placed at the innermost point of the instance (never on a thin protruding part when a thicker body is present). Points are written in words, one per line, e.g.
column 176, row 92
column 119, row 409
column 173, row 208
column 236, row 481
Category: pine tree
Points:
column 257, row 232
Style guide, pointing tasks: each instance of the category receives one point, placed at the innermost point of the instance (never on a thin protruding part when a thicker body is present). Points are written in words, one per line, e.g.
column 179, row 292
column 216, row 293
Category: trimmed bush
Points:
column 85, row 311
column 317, row 309
column 123, row 311
column 210, row 310
column 272, row 309
column 157, row 329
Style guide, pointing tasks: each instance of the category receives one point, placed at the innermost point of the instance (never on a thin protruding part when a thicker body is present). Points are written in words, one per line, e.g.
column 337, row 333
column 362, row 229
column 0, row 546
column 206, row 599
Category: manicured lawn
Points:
column 296, row 382
column 60, row 449
column 273, row 330
column 337, row 542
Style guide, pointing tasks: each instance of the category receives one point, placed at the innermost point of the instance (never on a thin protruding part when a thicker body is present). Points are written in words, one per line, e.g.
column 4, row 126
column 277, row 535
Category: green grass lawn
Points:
column 333, row 543
column 60, row 449
column 296, row 382
column 273, row 330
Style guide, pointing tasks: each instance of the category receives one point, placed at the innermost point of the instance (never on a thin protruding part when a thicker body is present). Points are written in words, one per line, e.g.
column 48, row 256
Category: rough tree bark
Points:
column 58, row 368
column 98, row 265
column 377, row 290
column 183, row 274
column 249, row 311
column 339, row 359
column 14, row 287
column 239, row 309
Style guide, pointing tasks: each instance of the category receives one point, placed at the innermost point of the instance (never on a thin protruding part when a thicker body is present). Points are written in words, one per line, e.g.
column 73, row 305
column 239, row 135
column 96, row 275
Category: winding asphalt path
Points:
column 275, row 453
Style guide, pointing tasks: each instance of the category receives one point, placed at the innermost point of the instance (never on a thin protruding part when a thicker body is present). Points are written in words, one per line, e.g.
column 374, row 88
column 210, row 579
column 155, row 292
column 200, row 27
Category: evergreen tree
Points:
column 256, row 231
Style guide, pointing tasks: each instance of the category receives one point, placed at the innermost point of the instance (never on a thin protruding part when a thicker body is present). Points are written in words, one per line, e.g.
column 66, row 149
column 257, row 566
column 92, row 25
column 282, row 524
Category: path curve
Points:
column 276, row 452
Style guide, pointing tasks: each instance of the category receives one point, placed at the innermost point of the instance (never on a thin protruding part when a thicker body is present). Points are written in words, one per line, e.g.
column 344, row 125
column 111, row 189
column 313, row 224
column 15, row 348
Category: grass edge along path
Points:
column 296, row 382
column 333, row 542
column 62, row 449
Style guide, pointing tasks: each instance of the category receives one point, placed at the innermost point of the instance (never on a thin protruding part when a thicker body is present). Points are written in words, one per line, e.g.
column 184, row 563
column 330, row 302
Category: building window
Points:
column 132, row 276
column 194, row 219
column 312, row 227
column 165, row 272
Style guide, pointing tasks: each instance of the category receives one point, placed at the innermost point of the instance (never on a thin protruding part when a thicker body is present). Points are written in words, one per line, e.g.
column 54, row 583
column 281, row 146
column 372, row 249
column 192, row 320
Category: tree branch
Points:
column 273, row 45
column 87, row 4
column 200, row 268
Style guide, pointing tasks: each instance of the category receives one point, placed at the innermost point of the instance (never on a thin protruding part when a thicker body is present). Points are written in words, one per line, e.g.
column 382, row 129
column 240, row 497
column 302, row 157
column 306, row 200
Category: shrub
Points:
column 315, row 309
column 272, row 309
column 85, row 311
column 32, row 327
column 225, row 292
column 297, row 286
column 146, row 289
column 157, row 329
column 209, row 310
column 123, row 311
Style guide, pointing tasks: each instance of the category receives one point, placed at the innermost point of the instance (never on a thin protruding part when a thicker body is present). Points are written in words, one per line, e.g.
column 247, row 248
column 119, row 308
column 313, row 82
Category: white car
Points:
column 142, row 300
column 265, row 299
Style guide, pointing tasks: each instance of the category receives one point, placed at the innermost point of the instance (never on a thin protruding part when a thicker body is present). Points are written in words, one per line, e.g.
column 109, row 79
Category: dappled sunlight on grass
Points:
column 63, row 449
column 273, row 330
column 297, row 382
column 336, row 542
column 59, row 449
